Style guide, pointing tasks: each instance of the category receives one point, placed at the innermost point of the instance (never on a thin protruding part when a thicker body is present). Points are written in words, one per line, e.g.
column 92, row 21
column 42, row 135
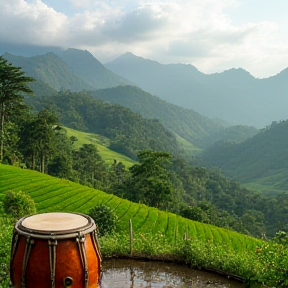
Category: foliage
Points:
column 186, row 123
column 128, row 132
column 159, row 179
column 38, row 139
column 105, row 219
column 6, row 228
column 88, row 164
column 274, row 269
column 195, row 213
column 51, row 70
column 157, row 234
column 13, row 82
column 261, row 159
column 18, row 204
column 151, row 183
column 195, row 253
column 281, row 237
column 101, row 143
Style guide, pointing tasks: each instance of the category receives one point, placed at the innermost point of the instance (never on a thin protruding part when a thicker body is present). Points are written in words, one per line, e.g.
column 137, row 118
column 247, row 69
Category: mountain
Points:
column 261, row 160
column 185, row 123
column 26, row 50
column 49, row 69
column 88, row 68
column 78, row 70
column 73, row 69
column 233, row 95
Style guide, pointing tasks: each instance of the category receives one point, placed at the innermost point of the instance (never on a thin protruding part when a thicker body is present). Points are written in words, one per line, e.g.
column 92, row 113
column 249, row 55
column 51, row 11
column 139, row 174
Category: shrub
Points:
column 104, row 218
column 18, row 204
column 6, row 228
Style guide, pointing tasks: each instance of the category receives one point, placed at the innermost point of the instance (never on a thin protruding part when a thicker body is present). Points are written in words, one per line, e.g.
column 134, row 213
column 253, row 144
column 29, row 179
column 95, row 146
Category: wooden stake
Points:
column 131, row 237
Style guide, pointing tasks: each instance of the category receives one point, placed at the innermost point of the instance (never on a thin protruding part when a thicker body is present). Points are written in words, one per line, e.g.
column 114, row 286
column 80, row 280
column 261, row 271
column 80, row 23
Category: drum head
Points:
column 55, row 223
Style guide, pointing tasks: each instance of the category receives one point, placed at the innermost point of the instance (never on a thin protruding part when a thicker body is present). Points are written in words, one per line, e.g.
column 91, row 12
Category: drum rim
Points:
column 58, row 234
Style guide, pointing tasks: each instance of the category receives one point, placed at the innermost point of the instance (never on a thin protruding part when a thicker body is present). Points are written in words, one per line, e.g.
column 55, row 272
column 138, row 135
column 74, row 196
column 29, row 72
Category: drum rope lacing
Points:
column 81, row 244
column 29, row 243
column 52, row 259
column 96, row 247
column 15, row 243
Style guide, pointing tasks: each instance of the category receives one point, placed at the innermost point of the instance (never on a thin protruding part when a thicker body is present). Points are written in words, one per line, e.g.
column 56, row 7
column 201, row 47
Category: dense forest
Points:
column 35, row 139
column 128, row 132
column 262, row 158
column 195, row 128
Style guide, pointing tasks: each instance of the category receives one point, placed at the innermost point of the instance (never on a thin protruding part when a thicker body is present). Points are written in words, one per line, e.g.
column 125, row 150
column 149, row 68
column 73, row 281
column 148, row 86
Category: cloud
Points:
column 30, row 22
column 140, row 24
column 190, row 31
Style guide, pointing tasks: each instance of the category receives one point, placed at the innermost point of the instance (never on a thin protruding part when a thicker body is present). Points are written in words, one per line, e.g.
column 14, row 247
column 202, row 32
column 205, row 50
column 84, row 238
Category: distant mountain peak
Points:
column 129, row 57
column 129, row 54
column 82, row 56
column 238, row 71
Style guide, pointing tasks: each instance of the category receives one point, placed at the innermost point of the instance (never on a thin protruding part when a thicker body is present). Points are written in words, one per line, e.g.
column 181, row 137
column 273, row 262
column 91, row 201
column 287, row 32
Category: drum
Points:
column 54, row 250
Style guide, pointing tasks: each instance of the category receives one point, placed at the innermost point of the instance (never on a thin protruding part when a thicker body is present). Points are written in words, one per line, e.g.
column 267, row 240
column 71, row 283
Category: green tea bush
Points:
column 274, row 269
column 105, row 219
column 6, row 228
column 18, row 204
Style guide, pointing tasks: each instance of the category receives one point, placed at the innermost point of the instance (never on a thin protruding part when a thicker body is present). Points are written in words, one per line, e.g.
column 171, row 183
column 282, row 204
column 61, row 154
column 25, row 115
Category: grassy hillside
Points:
column 157, row 234
column 53, row 194
column 101, row 143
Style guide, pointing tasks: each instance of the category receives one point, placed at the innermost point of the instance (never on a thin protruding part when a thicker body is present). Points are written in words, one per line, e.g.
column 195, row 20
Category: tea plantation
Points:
column 157, row 234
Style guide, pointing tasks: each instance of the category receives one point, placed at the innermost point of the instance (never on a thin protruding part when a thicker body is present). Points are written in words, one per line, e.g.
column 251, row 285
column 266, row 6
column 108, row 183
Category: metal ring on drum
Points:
column 53, row 250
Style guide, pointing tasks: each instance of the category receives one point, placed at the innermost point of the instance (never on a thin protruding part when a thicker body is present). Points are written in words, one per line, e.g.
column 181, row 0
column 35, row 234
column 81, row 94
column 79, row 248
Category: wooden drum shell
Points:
column 68, row 261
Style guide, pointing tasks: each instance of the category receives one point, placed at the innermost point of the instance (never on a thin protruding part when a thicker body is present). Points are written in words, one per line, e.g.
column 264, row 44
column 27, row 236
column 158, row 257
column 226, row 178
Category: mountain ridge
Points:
column 233, row 95
column 87, row 67
column 73, row 69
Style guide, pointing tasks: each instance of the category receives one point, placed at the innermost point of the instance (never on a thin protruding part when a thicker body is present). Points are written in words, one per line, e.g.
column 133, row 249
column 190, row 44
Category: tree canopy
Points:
column 12, row 82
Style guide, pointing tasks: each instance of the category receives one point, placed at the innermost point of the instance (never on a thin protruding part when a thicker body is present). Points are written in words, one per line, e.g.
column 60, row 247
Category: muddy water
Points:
column 142, row 274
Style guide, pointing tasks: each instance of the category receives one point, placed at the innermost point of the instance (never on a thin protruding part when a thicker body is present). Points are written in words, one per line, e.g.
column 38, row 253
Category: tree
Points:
column 12, row 83
column 38, row 138
column 151, row 181
column 89, row 167
column 61, row 163
column 195, row 213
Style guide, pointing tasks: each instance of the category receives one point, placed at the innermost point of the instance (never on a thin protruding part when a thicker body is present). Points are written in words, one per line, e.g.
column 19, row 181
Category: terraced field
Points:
column 52, row 194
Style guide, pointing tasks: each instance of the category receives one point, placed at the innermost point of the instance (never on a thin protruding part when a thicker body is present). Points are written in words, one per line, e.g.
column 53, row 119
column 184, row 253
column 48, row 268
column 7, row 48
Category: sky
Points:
column 212, row 35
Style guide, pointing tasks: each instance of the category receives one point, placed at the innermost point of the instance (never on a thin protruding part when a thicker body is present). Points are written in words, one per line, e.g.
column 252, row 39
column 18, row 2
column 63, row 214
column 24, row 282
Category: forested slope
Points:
column 186, row 123
column 262, row 159
column 50, row 69
column 128, row 132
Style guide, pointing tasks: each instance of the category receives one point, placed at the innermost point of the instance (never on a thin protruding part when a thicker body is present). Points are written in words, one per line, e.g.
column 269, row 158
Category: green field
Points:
column 101, row 143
